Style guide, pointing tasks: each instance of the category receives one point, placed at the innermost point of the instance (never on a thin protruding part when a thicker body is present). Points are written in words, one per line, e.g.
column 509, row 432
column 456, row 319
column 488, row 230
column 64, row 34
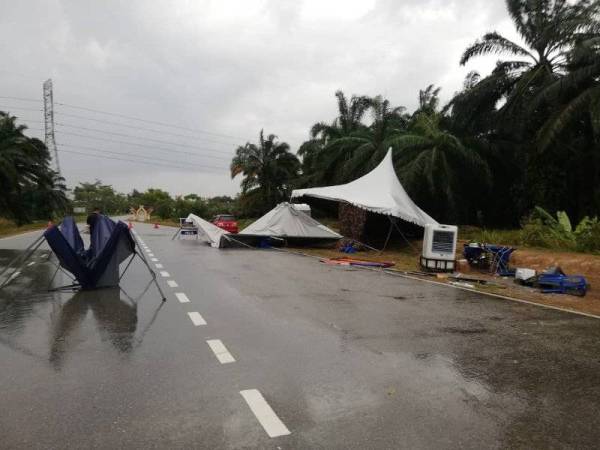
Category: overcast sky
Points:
column 225, row 67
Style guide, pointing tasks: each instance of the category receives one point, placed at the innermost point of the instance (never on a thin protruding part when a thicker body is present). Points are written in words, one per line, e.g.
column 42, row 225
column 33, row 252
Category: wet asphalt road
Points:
column 345, row 358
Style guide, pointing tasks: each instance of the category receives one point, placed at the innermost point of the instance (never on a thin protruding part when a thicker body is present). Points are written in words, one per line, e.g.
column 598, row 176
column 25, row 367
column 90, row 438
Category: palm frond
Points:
column 493, row 43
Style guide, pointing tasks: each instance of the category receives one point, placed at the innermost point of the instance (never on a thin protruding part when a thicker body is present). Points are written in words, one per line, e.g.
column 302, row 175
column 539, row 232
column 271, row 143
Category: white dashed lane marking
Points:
column 159, row 266
column 31, row 264
column 220, row 351
column 154, row 259
column 264, row 413
column 172, row 283
column 165, row 274
column 182, row 297
column 151, row 254
column 196, row 318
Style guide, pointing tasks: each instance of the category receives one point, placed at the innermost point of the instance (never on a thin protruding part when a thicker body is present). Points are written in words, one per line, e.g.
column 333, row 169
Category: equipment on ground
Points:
column 494, row 258
column 439, row 247
column 523, row 274
column 344, row 261
column 554, row 281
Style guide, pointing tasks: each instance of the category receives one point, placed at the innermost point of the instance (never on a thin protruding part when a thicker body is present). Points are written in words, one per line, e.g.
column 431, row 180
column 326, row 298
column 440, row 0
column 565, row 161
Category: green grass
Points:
column 491, row 236
column 8, row 228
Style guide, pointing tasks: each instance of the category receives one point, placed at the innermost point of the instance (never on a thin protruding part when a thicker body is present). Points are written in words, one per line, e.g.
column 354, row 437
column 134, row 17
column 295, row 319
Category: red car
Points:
column 226, row 222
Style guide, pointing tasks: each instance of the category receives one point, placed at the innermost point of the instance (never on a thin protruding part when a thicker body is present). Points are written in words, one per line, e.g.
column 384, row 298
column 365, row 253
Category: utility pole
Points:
column 49, row 122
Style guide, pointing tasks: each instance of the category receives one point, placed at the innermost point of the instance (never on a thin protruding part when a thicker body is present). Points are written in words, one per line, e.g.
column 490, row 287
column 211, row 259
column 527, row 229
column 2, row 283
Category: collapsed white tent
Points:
column 285, row 221
column 379, row 191
column 207, row 231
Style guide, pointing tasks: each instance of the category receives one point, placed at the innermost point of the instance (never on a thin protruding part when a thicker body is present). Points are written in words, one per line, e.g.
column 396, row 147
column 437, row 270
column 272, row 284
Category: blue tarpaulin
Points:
column 98, row 266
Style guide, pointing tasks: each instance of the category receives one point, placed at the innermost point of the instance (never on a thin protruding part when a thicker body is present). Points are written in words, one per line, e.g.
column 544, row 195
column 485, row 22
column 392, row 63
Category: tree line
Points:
column 30, row 188
column 90, row 195
column 525, row 135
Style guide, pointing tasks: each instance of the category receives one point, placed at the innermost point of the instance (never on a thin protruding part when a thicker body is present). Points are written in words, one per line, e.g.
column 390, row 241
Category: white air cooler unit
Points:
column 439, row 247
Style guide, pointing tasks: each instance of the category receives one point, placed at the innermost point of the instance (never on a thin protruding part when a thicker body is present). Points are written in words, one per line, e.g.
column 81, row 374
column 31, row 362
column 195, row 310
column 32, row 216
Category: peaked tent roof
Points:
column 379, row 191
column 286, row 221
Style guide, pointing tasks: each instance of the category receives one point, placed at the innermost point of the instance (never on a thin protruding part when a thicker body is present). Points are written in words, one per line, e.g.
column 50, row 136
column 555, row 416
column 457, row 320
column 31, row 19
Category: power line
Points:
column 148, row 121
column 23, row 99
column 115, row 141
column 128, row 160
column 158, row 141
column 142, row 156
column 165, row 150
column 7, row 108
column 110, row 122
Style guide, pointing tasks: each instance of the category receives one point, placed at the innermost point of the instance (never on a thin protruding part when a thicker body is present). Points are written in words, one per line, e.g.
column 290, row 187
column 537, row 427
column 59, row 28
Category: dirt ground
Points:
column 407, row 259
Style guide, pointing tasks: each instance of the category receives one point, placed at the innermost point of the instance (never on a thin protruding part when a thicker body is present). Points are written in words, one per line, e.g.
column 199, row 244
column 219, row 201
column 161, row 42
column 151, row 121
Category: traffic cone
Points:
column 155, row 225
column 50, row 224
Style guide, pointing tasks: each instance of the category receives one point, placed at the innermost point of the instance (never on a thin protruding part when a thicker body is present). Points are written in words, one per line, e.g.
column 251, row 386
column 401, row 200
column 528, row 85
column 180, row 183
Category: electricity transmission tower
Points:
column 49, row 122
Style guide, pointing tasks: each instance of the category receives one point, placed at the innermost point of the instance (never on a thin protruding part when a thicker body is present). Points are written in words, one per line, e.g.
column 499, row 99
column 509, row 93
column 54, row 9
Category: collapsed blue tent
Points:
column 110, row 244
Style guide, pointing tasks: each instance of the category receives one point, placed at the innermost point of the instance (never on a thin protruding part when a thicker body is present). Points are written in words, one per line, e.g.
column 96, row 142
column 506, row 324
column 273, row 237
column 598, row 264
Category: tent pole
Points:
column 53, row 276
column 127, row 266
column 32, row 248
column 387, row 239
column 404, row 237
column 143, row 258
column 26, row 254
column 64, row 288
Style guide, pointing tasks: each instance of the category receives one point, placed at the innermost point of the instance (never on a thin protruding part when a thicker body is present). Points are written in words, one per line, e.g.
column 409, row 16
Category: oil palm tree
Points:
column 430, row 157
column 348, row 157
column 348, row 121
column 549, row 30
column 24, row 170
column 576, row 95
column 268, row 169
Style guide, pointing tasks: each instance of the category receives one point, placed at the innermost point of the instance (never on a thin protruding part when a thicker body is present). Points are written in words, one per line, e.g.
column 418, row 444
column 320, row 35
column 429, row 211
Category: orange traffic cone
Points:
column 155, row 225
column 50, row 224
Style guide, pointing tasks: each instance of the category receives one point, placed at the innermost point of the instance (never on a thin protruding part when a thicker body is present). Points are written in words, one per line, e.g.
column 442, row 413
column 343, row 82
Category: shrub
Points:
column 588, row 237
column 541, row 229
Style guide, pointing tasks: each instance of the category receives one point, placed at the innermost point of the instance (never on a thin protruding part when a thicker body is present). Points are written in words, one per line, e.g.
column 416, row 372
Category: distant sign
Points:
column 79, row 210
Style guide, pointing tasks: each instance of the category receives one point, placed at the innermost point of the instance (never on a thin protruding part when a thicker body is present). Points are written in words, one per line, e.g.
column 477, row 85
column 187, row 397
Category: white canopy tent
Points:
column 379, row 191
column 282, row 223
column 285, row 221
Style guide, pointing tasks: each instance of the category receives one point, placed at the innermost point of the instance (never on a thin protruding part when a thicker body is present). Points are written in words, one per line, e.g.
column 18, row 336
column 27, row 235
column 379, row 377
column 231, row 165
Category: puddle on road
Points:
column 51, row 325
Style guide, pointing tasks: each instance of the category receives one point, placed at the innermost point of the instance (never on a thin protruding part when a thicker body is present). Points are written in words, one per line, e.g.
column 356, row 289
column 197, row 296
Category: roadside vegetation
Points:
column 31, row 190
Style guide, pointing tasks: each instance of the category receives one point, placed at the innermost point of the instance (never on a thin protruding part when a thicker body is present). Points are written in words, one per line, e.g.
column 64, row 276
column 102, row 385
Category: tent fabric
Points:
column 110, row 244
column 285, row 221
column 282, row 223
column 69, row 230
column 379, row 191
column 208, row 231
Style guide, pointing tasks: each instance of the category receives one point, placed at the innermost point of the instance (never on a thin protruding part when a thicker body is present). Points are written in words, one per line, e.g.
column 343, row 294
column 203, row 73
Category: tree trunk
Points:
column 352, row 221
